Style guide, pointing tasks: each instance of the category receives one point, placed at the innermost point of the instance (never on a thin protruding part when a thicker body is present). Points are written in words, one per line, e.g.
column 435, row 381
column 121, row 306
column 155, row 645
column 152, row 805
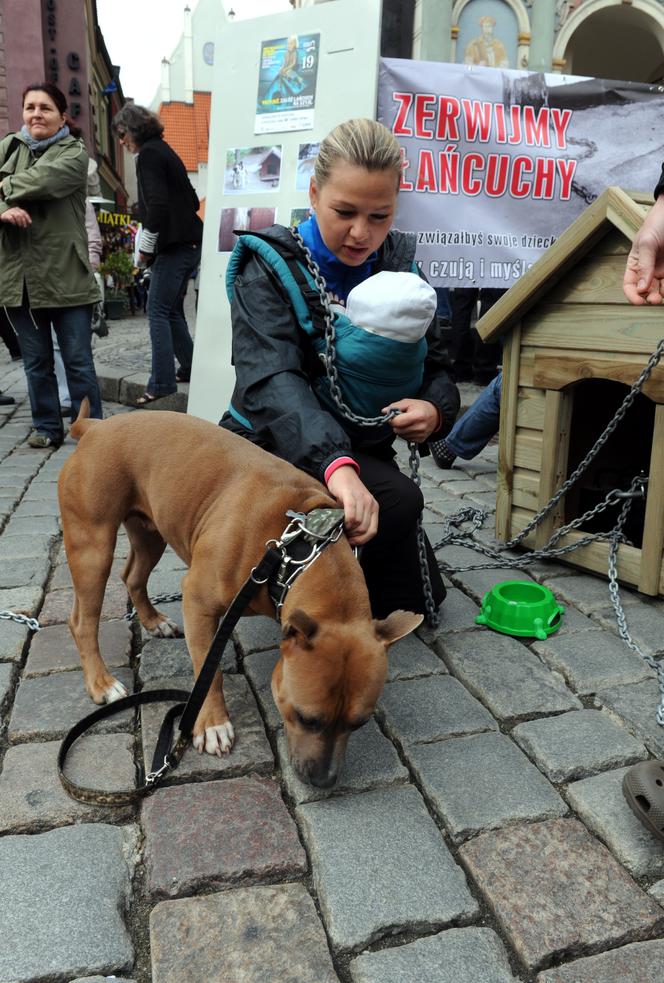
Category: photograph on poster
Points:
column 306, row 158
column 287, row 83
column 299, row 215
column 246, row 219
column 252, row 169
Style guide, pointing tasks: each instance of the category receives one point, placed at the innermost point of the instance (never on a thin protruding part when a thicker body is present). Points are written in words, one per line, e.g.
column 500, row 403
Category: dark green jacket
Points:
column 51, row 255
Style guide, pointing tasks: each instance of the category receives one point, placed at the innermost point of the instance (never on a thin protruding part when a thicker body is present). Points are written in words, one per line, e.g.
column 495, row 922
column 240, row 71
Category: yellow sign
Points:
column 113, row 218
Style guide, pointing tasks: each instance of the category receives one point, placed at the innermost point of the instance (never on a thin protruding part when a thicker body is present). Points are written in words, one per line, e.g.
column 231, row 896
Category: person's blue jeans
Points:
column 479, row 424
column 72, row 326
column 169, row 333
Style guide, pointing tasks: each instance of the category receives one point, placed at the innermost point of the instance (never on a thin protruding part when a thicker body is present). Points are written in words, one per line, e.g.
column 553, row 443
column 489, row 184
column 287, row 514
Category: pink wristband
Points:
column 340, row 463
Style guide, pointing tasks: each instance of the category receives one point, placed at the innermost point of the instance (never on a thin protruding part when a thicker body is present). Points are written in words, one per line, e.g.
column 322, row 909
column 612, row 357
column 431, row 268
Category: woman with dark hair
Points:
column 170, row 242
column 45, row 275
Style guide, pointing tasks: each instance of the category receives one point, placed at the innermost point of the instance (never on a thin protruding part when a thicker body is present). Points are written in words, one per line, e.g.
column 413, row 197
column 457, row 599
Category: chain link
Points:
column 20, row 619
column 623, row 629
column 366, row 421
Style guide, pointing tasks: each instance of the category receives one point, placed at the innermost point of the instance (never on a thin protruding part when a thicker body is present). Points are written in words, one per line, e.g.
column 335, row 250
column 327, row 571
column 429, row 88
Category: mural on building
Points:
column 488, row 33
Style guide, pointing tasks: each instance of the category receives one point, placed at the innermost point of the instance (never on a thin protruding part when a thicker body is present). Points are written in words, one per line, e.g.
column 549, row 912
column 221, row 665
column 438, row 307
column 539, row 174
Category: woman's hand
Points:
column 643, row 282
column 417, row 421
column 359, row 505
column 16, row 216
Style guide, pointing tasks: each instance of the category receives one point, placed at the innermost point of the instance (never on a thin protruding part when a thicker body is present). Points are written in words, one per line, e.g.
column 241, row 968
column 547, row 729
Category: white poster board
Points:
column 255, row 168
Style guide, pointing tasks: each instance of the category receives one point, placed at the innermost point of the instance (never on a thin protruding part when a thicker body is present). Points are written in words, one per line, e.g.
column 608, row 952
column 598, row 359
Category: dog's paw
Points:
column 116, row 691
column 165, row 629
column 216, row 740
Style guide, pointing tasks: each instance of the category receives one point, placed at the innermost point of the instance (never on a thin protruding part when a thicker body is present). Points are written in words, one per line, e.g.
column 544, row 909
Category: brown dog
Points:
column 216, row 499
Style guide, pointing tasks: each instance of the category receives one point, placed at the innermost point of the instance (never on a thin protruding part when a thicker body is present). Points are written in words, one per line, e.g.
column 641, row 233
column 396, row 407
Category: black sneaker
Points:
column 6, row 400
column 441, row 453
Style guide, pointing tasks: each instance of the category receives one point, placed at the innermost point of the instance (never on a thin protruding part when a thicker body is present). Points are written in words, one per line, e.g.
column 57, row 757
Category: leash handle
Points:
column 166, row 758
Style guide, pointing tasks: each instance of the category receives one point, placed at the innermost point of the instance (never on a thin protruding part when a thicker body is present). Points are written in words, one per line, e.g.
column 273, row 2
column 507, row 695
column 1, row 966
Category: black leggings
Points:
column 390, row 560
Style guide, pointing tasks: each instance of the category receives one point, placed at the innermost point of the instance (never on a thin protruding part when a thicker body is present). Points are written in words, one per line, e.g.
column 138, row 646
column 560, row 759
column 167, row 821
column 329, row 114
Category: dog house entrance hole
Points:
column 625, row 454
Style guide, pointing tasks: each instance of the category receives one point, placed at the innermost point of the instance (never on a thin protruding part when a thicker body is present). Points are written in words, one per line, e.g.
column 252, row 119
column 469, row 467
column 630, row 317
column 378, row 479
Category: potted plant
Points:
column 119, row 266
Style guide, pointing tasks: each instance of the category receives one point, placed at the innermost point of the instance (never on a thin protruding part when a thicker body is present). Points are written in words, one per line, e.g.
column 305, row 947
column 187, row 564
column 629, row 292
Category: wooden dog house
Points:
column 572, row 347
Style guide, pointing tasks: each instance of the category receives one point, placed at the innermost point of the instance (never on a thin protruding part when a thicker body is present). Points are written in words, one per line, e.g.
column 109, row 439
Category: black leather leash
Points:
column 165, row 757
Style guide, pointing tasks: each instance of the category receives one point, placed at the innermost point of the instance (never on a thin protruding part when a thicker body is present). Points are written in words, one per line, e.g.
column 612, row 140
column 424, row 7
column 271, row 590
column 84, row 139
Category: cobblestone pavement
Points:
column 478, row 833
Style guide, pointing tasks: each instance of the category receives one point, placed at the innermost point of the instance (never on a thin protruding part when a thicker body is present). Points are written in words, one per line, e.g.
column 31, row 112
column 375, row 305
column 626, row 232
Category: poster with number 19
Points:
column 287, row 84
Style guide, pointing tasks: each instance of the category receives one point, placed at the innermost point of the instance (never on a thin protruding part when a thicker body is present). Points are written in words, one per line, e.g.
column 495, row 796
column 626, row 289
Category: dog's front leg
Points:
column 213, row 731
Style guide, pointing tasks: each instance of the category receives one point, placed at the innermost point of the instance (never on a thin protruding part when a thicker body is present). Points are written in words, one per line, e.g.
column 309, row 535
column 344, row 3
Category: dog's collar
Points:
column 301, row 543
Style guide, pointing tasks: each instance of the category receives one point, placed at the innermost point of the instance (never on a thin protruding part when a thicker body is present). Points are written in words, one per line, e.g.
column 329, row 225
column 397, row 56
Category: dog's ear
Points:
column 396, row 625
column 301, row 628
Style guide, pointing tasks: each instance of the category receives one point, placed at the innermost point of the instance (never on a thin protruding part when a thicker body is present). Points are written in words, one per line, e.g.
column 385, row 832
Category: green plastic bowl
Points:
column 522, row 608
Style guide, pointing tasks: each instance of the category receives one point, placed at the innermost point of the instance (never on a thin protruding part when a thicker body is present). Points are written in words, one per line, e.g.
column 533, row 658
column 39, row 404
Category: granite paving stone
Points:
column 287, row 941
column 163, row 658
column 57, row 926
column 639, row 962
column 430, row 709
column 645, row 624
column 22, row 600
column 592, row 660
column 657, row 892
column 259, row 667
column 6, row 682
column 410, row 657
column 169, row 561
column 46, row 707
column 504, row 675
column 218, row 833
column 28, row 525
column 256, row 634
column 58, row 604
column 166, row 581
column 53, row 649
column 371, row 761
column 484, row 499
column 457, row 613
column 459, row 955
column 13, row 637
column 636, row 705
column 30, row 507
column 31, row 795
column 588, row 593
column 24, row 572
column 102, row 979
column 250, row 752
column 482, row 782
column 556, row 891
column 380, row 866
column 576, row 744
column 600, row 803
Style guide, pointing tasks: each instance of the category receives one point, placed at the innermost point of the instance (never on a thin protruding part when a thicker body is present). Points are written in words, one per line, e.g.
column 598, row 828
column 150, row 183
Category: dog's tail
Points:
column 83, row 421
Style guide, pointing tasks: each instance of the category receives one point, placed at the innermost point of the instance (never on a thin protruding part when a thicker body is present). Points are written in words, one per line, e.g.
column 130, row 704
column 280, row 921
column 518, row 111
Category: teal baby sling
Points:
column 372, row 371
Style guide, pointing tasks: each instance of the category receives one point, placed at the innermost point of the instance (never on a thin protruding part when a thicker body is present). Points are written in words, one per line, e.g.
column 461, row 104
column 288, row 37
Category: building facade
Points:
column 611, row 39
column 60, row 41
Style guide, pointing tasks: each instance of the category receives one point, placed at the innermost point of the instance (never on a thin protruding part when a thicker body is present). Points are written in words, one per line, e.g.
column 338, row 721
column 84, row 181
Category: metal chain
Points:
column 614, row 590
column 21, row 619
column 365, row 421
column 546, row 552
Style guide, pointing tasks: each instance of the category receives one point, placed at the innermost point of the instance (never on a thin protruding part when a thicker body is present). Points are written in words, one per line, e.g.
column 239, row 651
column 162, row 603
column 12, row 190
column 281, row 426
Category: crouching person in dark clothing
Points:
column 283, row 399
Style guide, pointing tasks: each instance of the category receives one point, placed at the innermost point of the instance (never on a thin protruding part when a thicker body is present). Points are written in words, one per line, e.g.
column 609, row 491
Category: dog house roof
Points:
column 615, row 208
